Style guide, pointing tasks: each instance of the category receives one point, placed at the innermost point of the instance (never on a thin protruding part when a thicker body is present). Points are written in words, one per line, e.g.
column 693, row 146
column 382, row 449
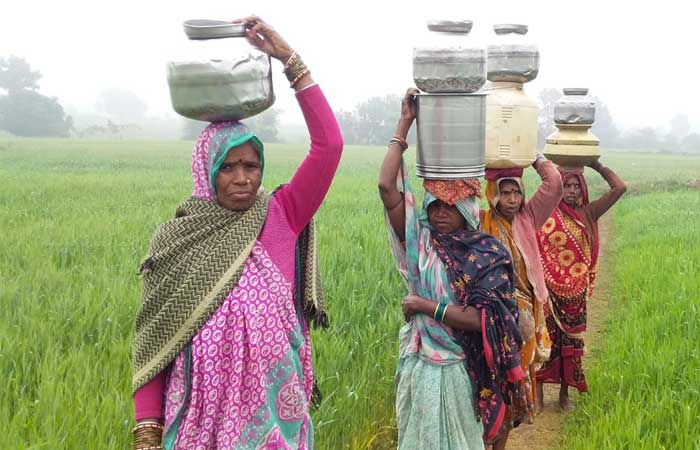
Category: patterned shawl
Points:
column 197, row 258
column 481, row 275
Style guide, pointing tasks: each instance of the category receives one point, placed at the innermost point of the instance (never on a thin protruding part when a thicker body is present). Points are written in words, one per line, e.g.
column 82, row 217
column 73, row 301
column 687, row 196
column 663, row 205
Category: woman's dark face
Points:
column 510, row 199
column 239, row 178
column 445, row 218
column 572, row 191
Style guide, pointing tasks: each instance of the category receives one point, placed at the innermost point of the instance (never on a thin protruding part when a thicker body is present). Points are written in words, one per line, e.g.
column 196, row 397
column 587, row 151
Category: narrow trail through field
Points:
column 544, row 433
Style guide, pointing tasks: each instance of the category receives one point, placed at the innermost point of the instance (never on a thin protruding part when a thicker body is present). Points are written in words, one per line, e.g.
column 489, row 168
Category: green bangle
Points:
column 444, row 311
column 440, row 312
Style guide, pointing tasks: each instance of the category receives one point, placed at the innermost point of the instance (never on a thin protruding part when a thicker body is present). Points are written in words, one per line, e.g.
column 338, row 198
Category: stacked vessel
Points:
column 451, row 115
column 511, row 115
column 573, row 144
column 214, row 82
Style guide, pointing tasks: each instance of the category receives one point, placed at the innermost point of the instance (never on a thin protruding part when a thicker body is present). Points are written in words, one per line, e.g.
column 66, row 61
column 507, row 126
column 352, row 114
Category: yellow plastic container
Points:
column 511, row 126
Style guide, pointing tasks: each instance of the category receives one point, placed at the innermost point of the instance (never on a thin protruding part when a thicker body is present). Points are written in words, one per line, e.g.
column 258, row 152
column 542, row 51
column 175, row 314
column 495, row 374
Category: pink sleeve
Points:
column 545, row 200
column 308, row 187
column 148, row 401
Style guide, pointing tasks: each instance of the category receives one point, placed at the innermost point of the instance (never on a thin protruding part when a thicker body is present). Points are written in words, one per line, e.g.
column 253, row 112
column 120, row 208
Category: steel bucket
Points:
column 451, row 136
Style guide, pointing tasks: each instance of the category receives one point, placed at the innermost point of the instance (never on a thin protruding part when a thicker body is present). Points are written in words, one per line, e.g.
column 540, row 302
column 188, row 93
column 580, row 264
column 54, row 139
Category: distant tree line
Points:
column 23, row 110
column 372, row 121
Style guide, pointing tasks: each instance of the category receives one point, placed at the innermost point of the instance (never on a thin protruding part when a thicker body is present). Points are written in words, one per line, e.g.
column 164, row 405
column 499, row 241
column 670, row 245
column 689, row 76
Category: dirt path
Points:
column 544, row 433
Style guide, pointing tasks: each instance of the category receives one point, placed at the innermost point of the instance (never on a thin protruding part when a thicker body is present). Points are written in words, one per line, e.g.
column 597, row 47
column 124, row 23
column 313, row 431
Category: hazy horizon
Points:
column 624, row 52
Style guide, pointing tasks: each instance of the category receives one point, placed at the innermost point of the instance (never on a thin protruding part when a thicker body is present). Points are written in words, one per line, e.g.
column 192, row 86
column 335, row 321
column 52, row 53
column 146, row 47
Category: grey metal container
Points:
column 449, row 70
column 575, row 108
column 511, row 58
column 220, row 90
column 446, row 62
column 451, row 141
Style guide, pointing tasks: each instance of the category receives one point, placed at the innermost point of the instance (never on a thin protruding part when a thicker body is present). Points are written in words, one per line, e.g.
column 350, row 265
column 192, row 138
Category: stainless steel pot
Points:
column 575, row 107
column 445, row 62
column 219, row 79
column 220, row 90
column 511, row 58
column 451, row 140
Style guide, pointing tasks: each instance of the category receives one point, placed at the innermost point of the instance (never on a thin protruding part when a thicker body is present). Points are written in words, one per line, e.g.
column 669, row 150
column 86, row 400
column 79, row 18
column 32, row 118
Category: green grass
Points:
column 75, row 223
column 645, row 381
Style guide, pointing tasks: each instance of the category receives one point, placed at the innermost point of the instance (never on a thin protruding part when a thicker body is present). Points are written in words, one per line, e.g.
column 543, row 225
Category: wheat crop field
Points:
column 75, row 221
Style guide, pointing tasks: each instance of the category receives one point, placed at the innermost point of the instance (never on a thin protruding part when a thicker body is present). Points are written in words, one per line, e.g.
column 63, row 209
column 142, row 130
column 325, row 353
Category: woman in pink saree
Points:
column 222, row 355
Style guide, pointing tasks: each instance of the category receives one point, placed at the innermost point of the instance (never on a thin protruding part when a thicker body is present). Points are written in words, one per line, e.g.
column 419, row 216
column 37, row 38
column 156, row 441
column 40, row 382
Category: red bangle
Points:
column 147, row 426
column 401, row 141
column 299, row 77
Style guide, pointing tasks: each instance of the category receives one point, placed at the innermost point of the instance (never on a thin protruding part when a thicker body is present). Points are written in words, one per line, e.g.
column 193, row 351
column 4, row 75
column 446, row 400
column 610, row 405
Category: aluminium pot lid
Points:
column 212, row 29
column 450, row 26
column 510, row 28
column 575, row 91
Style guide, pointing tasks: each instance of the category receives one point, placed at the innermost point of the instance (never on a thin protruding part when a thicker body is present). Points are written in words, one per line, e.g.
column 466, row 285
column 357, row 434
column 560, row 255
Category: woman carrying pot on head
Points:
column 222, row 355
column 515, row 222
column 459, row 350
column 568, row 244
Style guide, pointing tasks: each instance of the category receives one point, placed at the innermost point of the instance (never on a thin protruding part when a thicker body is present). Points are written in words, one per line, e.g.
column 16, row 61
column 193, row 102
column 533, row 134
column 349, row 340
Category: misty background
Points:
column 96, row 70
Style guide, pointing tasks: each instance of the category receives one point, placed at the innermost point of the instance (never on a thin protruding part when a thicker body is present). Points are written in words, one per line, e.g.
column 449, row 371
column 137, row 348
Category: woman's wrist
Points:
column 148, row 435
column 296, row 71
column 440, row 311
column 303, row 83
column 153, row 420
column 284, row 56
column 399, row 141
column 427, row 307
column 539, row 159
column 402, row 127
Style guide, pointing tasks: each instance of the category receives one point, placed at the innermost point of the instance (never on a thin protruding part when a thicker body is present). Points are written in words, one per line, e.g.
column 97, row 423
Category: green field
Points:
column 75, row 223
column 645, row 382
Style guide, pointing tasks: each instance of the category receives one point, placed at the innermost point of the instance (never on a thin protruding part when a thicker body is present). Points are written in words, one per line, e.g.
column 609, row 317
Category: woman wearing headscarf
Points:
column 459, row 362
column 514, row 222
column 222, row 354
column 568, row 244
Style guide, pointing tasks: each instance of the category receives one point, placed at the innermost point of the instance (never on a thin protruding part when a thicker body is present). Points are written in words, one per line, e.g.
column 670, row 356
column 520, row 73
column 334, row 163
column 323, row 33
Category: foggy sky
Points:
column 639, row 59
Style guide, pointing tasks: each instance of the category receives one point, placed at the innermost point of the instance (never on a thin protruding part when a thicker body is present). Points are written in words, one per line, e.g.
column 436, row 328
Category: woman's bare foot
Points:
column 500, row 444
column 564, row 402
